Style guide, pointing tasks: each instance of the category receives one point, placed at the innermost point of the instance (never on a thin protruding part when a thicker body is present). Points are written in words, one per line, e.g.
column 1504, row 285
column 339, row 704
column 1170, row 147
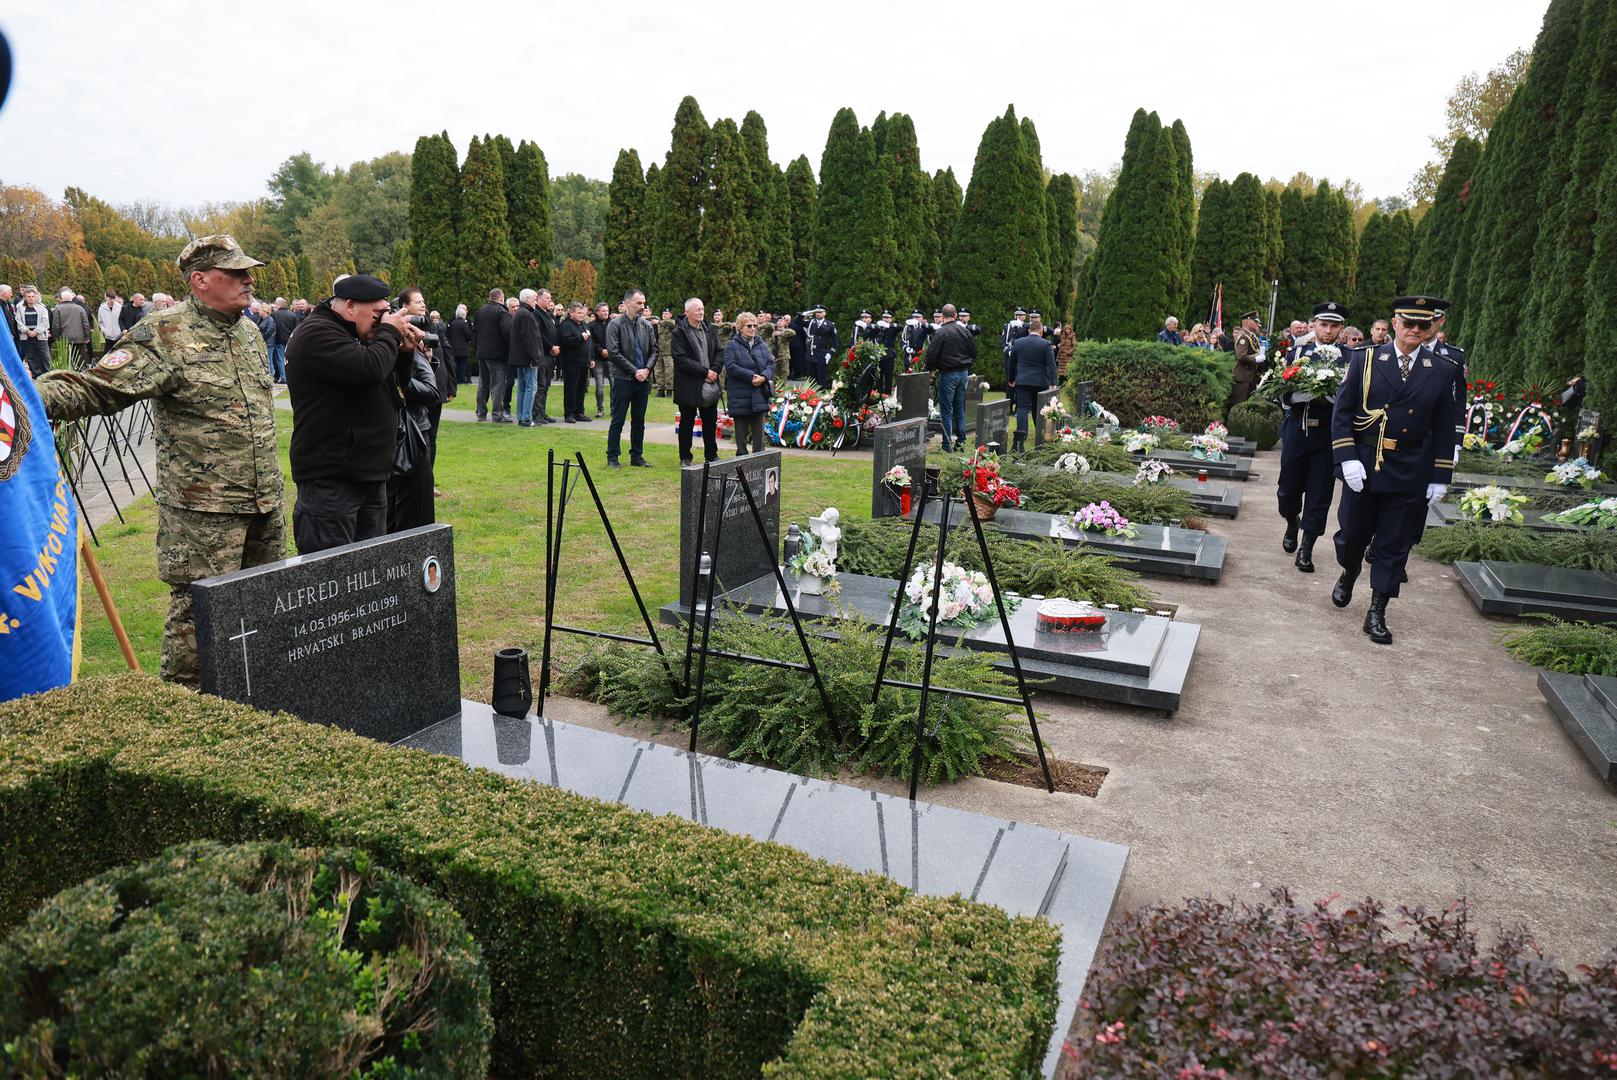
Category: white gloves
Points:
column 1299, row 399
column 1435, row 492
column 1353, row 474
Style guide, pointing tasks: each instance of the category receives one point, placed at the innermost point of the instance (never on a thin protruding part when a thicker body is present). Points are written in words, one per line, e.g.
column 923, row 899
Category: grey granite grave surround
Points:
column 740, row 555
column 1045, row 397
column 1447, row 513
column 1160, row 550
column 1135, row 659
column 1083, row 392
column 361, row 637
column 1586, row 705
column 1216, row 498
column 914, row 395
column 1231, row 468
column 933, row 850
column 994, row 423
column 1503, row 588
column 1242, row 446
column 1530, row 483
column 897, row 443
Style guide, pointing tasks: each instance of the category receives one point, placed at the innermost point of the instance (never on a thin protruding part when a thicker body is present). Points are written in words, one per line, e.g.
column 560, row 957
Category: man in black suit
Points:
column 491, row 332
column 6, row 302
column 822, row 345
column 549, row 353
column 523, row 358
column 797, row 345
column 600, row 367
column 697, row 364
column 631, row 348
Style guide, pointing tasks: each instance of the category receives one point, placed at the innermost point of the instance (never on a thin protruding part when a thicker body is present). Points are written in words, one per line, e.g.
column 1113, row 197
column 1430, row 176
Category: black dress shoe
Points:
column 641, row 464
column 572, row 420
column 612, row 463
column 1288, row 543
column 1305, row 554
column 1375, row 620
column 1342, row 594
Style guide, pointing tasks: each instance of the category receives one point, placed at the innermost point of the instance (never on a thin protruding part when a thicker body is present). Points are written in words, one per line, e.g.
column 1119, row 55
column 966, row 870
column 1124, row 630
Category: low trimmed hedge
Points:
column 1475, row 541
column 1136, row 379
column 252, row 960
column 1284, row 989
column 1256, row 420
column 617, row 943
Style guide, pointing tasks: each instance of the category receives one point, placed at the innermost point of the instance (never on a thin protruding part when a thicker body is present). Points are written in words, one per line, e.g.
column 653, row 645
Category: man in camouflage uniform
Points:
column 1248, row 358
column 662, row 372
column 219, row 483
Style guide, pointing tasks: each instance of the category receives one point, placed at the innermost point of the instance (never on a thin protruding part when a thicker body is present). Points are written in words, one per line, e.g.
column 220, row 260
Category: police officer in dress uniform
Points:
column 886, row 335
column 864, row 328
column 1392, row 434
column 822, row 345
column 1248, row 357
column 1015, row 328
column 1307, row 473
column 913, row 336
column 219, row 484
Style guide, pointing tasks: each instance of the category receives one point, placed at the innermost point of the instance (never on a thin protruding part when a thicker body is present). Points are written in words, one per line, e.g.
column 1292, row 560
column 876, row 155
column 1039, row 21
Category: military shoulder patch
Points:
column 116, row 359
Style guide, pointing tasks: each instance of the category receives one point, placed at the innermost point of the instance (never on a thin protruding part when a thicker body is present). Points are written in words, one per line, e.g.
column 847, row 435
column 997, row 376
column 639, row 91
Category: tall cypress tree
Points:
column 1139, row 260
column 1187, row 208
column 528, row 201
column 801, row 194
column 946, row 200
column 780, row 289
column 485, row 240
column 677, row 235
column 1383, row 266
column 994, row 260
column 434, row 247
column 312, row 290
column 1273, row 244
column 1600, row 289
column 1437, row 238
column 1142, row 133
column 725, row 261
column 623, row 242
column 1037, row 218
column 1557, row 306
column 839, row 274
column 1502, row 220
column 648, row 228
column 1208, row 252
column 1248, row 229
column 914, row 231
column 1296, row 283
column 1332, row 247
column 760, row 199
column 1061, row 202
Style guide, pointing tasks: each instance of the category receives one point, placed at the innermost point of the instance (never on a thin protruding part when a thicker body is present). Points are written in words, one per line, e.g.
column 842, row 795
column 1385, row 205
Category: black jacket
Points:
column 285, row 323
column 345, row 402
column 598, row 343
column 689, row 371
column 951, row 347
column 130, row 315
column 575, row 351
column 547, row 334
column 524, row 349
column 11, row 322
column 492, row 331
column 459, row 338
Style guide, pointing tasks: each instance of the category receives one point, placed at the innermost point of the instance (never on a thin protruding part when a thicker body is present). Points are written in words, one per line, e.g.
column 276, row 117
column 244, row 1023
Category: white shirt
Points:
column 107, row 317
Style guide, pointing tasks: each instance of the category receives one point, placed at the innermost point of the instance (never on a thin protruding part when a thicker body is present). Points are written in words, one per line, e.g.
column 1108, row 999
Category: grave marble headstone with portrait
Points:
column 994, row 423
column 740, row 555
column 901, row 443
column 362, row 637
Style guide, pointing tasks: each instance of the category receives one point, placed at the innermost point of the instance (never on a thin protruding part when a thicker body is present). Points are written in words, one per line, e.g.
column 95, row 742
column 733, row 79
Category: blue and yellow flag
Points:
column 39, row 553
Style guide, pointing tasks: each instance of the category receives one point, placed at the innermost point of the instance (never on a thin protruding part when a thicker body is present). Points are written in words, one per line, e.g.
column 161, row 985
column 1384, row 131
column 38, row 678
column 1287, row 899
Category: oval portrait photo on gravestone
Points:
column 432, row 574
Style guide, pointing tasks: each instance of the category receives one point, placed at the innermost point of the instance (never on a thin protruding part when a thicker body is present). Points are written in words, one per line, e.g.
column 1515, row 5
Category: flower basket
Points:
column 986, row 508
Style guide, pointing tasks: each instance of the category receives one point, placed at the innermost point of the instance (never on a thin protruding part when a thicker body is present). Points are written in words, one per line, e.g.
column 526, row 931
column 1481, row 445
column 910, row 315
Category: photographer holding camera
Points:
column 344, row 370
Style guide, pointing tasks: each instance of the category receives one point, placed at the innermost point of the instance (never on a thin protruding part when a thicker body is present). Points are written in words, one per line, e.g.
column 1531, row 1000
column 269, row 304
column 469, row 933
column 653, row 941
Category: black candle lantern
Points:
column 513, row 690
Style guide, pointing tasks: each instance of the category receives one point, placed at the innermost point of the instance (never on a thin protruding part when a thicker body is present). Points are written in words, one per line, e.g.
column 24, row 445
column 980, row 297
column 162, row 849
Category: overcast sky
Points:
column 191, row 102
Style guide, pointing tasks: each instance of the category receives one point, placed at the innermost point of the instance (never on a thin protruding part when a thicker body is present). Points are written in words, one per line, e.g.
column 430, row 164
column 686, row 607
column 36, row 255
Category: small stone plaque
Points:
column 362, row 637
column 740, row 555
column 994, row 423
column 914, row 395
column 901, row 443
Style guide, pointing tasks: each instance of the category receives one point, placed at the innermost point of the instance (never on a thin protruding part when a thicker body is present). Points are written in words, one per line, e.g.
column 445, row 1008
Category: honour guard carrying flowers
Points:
column 1307, row 472
column 1392, row 436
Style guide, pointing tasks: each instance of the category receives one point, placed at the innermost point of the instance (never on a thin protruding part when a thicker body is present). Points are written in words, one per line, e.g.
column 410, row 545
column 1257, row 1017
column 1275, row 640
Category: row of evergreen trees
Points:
column 476, row 225
column 1522, row 234
column 719, row 219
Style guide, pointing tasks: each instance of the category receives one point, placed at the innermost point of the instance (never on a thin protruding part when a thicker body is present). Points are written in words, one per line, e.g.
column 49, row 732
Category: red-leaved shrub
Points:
column 1321, row 991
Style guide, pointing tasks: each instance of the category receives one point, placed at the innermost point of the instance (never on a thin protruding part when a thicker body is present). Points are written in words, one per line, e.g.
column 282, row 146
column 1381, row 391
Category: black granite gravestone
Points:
column 902, row 443
column 994, row 423
column 1039, row 422
column 1586, row 705
column 1083, row 392
column 741, row 555
column 1504, row 588
column 361, row 637
column 914, row 395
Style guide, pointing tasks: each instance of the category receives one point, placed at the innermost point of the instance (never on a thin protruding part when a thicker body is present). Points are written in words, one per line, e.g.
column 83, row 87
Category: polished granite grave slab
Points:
column 1502, row 588
column 994, row 422
column 934, row 850
column 1586, row 705
column 914, row 391
column 1137, row 659
column 1241, row 446
column 1447, row 513
column 1529, row 483
column 1231, row 468
column 1215, row 498
column 1162, row 550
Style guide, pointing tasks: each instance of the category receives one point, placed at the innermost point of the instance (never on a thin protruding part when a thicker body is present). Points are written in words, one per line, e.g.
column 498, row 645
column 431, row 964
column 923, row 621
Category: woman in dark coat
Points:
column 410, row 493
column 749, row 367
column 697, row 361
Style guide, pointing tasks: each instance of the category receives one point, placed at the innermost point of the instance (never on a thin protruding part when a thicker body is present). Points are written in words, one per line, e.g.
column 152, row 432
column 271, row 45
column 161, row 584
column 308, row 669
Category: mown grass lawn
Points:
column 493, row 479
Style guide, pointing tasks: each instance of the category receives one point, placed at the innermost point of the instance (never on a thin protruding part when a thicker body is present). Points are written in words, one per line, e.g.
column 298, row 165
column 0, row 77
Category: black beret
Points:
column 361, row 287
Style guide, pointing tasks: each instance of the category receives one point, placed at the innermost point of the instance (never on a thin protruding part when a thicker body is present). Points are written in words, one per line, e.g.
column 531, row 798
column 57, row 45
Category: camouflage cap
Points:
column 217, row 252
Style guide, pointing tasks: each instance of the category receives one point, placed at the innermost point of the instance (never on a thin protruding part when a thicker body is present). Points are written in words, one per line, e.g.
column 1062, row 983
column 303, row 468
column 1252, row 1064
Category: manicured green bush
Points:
column 1256, row 420
column 774, row 714
column 254, row 960
column 1210, row 989
column 1059, row 492
column 1045, row 567
column 1136, row 379
column 1571, row 648
column 1474, row 541
column 617, row 943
